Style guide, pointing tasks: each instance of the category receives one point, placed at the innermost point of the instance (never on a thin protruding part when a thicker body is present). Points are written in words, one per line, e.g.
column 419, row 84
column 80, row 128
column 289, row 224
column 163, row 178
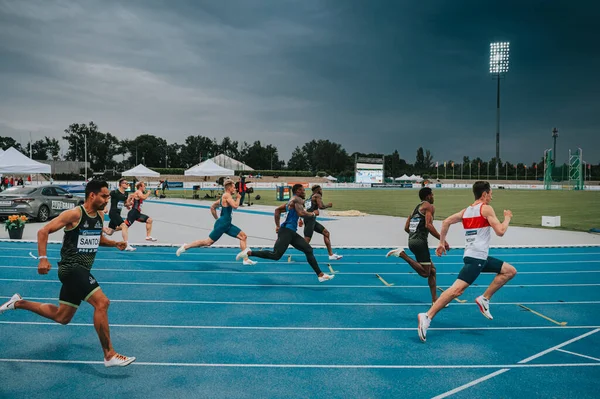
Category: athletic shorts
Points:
column 135, row 215
column 115, row 220
column 77, row 285
column 224, row 228
column 311, row 225
column 473, row 267
column 421, row 250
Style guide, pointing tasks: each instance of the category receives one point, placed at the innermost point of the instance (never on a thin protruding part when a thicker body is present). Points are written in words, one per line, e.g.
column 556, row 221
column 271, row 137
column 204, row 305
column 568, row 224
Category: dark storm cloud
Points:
column 372, row 75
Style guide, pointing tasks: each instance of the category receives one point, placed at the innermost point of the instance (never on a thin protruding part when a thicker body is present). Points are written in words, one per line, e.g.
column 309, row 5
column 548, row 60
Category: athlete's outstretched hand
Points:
column 121, row 245
column 330, row 205
column 44, row 266
column 441, row 249
column 300, row 223
column 508, row 214
column 447, row 246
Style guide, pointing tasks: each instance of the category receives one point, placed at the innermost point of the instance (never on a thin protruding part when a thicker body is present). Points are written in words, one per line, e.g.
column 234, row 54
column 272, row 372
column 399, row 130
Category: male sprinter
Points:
column 135, row 214
column 287, row 235
column 118, row 200
column 310, row 223
column 418, row 226
column 83, row 235
column 223, row 224
column 478, row 220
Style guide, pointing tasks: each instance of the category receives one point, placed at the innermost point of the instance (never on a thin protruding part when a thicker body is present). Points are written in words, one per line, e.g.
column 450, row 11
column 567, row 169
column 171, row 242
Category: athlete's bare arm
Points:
column 450, row 220
column 235, row 204
column 407, row 224
column 143, row 195
column 320, row 204
column 213, row 209
column 299, row 206
column 499, row 228
column 429, row 211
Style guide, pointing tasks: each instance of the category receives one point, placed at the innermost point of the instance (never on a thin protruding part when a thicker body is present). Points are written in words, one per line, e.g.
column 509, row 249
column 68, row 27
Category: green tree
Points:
column 7, row 142
column 101, row 147
column 298, row 161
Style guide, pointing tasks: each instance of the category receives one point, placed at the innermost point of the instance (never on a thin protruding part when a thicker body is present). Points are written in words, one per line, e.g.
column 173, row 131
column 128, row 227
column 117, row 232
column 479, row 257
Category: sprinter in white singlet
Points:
column 478, row 220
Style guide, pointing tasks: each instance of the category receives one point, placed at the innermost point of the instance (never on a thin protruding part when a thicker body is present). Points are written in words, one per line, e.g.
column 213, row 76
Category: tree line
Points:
column 107, row 152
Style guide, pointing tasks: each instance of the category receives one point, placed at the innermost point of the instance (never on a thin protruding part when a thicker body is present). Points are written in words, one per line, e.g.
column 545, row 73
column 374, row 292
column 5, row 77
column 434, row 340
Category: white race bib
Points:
column 307, row 204
column 120, row 205
column 414, row 223
column 88, row 241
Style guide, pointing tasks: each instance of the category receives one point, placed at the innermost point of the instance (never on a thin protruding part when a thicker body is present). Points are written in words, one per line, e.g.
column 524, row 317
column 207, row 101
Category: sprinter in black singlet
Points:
column 119, row 199
column 312, row 226
column 418, row 226
column 83, row 234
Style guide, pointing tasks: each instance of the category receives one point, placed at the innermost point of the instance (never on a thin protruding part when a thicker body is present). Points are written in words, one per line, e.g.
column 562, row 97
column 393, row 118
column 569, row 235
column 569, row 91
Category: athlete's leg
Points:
column 301, row 245
column 207, row 242
column 327, row 241
column 284, row 238
column 507, row 272
column 61, row 314
column 456, row 290
column 101, row 303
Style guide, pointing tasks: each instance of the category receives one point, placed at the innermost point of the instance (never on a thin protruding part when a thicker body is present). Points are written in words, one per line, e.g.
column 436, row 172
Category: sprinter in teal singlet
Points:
column 223, row 224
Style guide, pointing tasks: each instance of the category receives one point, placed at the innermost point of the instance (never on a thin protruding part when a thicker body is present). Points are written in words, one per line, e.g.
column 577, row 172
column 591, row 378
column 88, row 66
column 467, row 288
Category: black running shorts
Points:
column 78, row 285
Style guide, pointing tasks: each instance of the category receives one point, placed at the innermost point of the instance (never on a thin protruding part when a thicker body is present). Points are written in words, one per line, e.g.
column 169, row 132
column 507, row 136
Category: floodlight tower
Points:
column 554, row 136
column 499, row 52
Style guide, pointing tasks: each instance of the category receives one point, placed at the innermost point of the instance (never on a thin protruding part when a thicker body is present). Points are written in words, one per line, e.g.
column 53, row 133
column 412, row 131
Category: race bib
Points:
column 470, row 237
column 88, row 241
column 414, row 223
column 307, row 204
column 120, row 205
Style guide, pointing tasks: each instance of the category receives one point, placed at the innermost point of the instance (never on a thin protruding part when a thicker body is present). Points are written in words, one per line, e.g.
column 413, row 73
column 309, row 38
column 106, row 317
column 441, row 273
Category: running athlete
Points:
column 287, row 235
column 118, row 200
column 478, row 220
column 310, row 223
column 83, row 235
column 135, row 214
column 223, row 223
column 418, row 226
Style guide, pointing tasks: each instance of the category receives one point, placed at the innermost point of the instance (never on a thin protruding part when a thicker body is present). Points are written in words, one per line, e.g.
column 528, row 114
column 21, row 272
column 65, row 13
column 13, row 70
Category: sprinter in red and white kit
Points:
column 478, row 220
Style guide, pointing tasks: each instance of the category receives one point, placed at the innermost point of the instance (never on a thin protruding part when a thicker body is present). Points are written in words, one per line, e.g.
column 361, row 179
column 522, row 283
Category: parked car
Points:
column 40, row 202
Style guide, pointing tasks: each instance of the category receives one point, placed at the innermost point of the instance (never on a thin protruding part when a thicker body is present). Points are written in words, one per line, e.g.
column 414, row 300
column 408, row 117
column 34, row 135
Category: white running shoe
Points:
column 130, row 248
column 180, row 250
column 249, row 262
column 149, row 238
column 335, row 257
column 395, row 252
column 326, row 277
column 10, row 304
column 424, row 322
column 119, row 361
column 484, row 306
column 243, row 254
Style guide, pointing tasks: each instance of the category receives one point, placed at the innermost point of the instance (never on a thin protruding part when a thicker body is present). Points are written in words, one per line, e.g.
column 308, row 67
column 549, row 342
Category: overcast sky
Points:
column 372, row 75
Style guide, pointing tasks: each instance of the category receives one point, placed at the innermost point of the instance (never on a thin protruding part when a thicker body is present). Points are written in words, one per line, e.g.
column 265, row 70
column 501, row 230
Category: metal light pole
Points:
column 85, row 149
column 498, row 67
column 554, row 136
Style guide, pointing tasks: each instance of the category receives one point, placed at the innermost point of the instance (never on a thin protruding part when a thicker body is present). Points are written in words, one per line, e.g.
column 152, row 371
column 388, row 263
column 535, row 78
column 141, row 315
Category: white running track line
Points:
column 312, row 366
column 519, row 364
column 288, row 285
column 578, row 354
column 272, row 328
column 96, row 269
column 376, row 304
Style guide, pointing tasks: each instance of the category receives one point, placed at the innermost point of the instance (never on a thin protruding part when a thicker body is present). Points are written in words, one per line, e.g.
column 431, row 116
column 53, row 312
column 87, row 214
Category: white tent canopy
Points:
column 403, row 177
column 208, row 168
column 229, row 163
column 14, row 162
column 331, row 178
column 140, row 171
